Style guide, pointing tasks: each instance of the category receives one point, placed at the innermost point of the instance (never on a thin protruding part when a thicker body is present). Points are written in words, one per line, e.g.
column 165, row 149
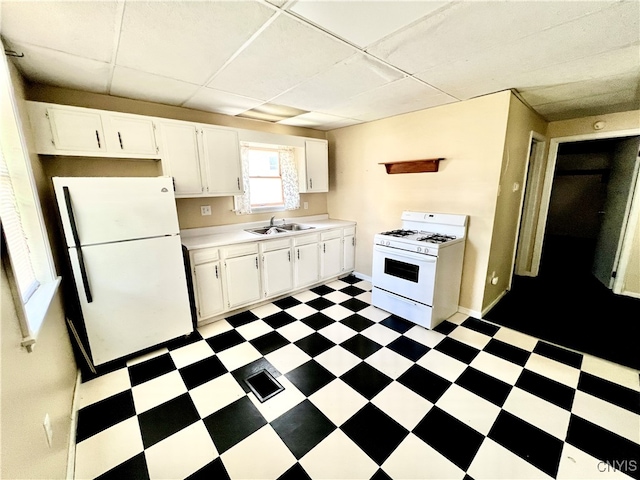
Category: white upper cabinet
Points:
column 221, row 166
column 132, row 134
column 313, row 171
column 180, row 157
column 76, row 130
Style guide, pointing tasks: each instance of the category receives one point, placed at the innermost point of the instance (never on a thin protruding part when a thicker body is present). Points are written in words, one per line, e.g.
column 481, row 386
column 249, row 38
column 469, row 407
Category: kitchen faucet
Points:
column 271, row 221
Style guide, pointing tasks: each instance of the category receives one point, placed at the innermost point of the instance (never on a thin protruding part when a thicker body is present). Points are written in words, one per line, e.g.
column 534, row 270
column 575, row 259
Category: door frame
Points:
column 552, row 156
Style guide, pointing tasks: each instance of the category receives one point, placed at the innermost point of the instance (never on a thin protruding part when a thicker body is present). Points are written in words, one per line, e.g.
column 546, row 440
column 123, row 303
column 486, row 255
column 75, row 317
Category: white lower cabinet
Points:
column 331, row 254
column 207, row 282
column 241, row 274
column 349, row 249
column 306, row 260
column 277, row 271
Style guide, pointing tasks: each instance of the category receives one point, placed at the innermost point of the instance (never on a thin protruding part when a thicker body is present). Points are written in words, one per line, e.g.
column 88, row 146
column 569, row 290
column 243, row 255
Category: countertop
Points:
column 195, row 238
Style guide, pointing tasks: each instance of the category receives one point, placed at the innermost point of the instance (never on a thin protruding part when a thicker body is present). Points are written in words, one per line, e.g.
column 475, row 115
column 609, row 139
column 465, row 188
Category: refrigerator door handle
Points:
column 76, row 239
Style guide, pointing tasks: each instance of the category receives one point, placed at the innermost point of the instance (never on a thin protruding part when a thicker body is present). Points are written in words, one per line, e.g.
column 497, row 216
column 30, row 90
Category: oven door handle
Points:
column 399, row 253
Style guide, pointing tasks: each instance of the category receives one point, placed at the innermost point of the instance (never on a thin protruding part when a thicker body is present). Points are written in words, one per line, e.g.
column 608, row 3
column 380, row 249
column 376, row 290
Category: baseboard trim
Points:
column 469, row 312
column 71, row 452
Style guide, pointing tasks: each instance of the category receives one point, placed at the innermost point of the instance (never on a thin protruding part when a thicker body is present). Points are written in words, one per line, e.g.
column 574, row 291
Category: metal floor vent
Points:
column 263, row 385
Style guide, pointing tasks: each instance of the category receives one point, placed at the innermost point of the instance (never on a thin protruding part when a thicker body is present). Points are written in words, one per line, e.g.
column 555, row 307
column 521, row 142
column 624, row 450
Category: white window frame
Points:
column 270, row 207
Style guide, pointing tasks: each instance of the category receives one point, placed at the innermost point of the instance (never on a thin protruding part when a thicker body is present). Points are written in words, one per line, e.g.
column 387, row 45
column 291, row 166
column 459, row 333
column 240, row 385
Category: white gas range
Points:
column 417, row 269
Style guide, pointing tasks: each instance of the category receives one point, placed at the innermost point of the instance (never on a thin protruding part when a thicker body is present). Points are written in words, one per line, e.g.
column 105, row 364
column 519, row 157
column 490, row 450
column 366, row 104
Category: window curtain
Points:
column 289, row 174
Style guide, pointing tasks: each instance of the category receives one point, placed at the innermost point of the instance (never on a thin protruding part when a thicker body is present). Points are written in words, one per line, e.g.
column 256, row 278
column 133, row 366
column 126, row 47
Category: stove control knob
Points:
column 388, row 243
column 419, row 249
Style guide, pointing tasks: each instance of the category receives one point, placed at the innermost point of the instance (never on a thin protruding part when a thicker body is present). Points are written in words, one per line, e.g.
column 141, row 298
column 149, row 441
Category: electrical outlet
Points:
column 205, row 210
column 48, row 431
column 306, row 205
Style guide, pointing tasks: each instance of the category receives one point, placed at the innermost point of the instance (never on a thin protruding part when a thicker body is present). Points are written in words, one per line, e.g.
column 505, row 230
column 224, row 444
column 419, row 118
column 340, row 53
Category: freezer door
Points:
column 114, row 209
column 137, row 295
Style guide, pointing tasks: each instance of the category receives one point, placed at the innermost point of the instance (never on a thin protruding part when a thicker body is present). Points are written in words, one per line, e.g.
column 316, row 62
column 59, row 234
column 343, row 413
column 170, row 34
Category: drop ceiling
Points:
column 331, row 63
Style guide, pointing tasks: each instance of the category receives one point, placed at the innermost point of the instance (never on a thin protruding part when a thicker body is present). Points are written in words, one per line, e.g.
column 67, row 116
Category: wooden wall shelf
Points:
column 412, row 166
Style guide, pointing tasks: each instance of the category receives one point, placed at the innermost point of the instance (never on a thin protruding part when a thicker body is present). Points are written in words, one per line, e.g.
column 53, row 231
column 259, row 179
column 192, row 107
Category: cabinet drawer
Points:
column 239, row 250
column 349, row 231
column 331, row 234
column 275, row 245
column 205, row 255
column 306, row 239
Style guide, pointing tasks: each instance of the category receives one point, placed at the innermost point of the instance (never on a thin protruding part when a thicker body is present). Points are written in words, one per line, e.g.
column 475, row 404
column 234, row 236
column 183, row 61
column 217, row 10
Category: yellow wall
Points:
column 470, row 135
column 522, row 120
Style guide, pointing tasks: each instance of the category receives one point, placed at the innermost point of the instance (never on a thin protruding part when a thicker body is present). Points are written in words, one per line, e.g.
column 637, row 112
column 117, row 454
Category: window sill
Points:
column 267, row 209
column 36, row 309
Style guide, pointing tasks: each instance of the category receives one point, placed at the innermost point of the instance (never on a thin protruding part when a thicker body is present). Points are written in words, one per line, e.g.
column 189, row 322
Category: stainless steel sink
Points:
column 287, row 227
column 294, row 227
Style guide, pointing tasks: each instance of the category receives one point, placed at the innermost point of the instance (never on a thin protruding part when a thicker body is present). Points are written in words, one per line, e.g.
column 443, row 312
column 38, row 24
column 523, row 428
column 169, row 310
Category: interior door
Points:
column 624, row 171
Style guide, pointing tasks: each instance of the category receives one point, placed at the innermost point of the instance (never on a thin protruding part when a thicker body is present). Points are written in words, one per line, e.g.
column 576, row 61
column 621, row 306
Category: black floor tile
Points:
column 459, row 444
column 354, row 304
column 480, row 326
column 380, row 475
column 547, row 389
column 458, row 350
column 351, row 279
column 183, row 341
column 295, row 473
column 233, row 423
column 225, row 340
column 201, row 372
column 241, row 318
column 314, row 344
column 559, row 354
column 507, row 352
column 106, row 413
column 269, row 342
column 604, row 445
column 398, row 324
column 317, row 321
column 214, row 470
column 310, row 377
column 425, row 383
column 322, row 290
column 357, row 322
column 377, row 434
column 302, row 428
column 528, row 442
column 150, row 369
column 485, row 386
column 320, row 303
column 445, row 327
column 408, row 348
column 611, row 392
column 278, row 320
column 287, row 302
column 366, row 380
column 164, row 420
column 353, row 291
column 361, row 346
column 242, row 373
column 135, row 467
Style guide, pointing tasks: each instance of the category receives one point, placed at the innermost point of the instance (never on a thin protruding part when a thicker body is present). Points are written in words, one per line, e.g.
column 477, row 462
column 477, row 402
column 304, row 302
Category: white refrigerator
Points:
column 126, row 260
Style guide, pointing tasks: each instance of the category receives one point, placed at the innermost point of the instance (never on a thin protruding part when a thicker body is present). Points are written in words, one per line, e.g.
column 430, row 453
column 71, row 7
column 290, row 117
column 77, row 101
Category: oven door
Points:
column 410, row 275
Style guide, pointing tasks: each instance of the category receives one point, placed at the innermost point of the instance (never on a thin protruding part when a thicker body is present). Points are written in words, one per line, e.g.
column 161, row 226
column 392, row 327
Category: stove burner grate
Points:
column 436, row 238
column 399, row 233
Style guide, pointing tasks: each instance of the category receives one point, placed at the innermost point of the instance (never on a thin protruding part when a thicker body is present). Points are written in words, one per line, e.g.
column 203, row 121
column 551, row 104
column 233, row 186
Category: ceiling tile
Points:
column 364, row 22
column 337, row 84
column 86, row 29
column 211, row 100
column 466, row 28
column 286, row 53
column 624, row 100
column 131, row 83
column 50, row 67
column 319, row 121
column 187, row 40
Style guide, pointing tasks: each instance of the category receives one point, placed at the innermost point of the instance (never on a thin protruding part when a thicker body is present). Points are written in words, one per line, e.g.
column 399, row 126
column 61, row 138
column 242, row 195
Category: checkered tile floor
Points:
column 366, row 396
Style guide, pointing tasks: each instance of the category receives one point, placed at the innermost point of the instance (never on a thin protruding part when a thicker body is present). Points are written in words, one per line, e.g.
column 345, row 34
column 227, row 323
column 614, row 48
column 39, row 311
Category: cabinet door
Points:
column 277, row 273
column 77, row 130
column 331, row 256
column 317, row 166
column 208, row 287
column 222, row 166
column 130, row 134
column 242, row 276
column 306, row 265
column 180, row 160
column 349, row 257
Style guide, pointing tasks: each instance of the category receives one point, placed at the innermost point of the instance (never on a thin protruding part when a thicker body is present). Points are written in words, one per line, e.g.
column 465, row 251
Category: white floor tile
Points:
column 627, row 377
column 107, row 449
column 403, row 405
column 265, row 310
column 607, row 415
column 254, row 329
column 470, row 337
column 363, row 284
column 337, row 457
column 280, row 403
column 373, row 313
column 214, row 328
column 305, row 296
column 216, row 394
column 337, row 297
column 192, row 353
column 287, row 358
column 457, row 318
column 469, row 408
column 337, row 284
column 364, row 297
column 497, row 367
column 157, row 391
column 238, row 356
column 493, row 461
column 578, row 465
column 442, row 364
column 301, row 311
column 181, row 454
column 103, row 387
column 146, row 356
column 250, row 459
column 295, row 331
column 517, row 339
column 554, row 370
column 389, row 362
column 427, row 337
column 337, row 332
column 338, row 401
column 337, row 360
column 380, row 334
column 337, row 312
column 538, row 412
column 414, row 459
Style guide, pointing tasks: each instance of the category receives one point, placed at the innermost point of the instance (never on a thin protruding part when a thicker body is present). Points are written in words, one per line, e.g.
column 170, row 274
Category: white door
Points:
column 180, row 158
column 208, row 284
column 132, row 134
column 110, row 209
column 317, row 161
column 330, row 257
column 306, row 264
column 242, row 275
column 136, row 297
column 221, row 149
column 76, row 130
column 277, row 272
